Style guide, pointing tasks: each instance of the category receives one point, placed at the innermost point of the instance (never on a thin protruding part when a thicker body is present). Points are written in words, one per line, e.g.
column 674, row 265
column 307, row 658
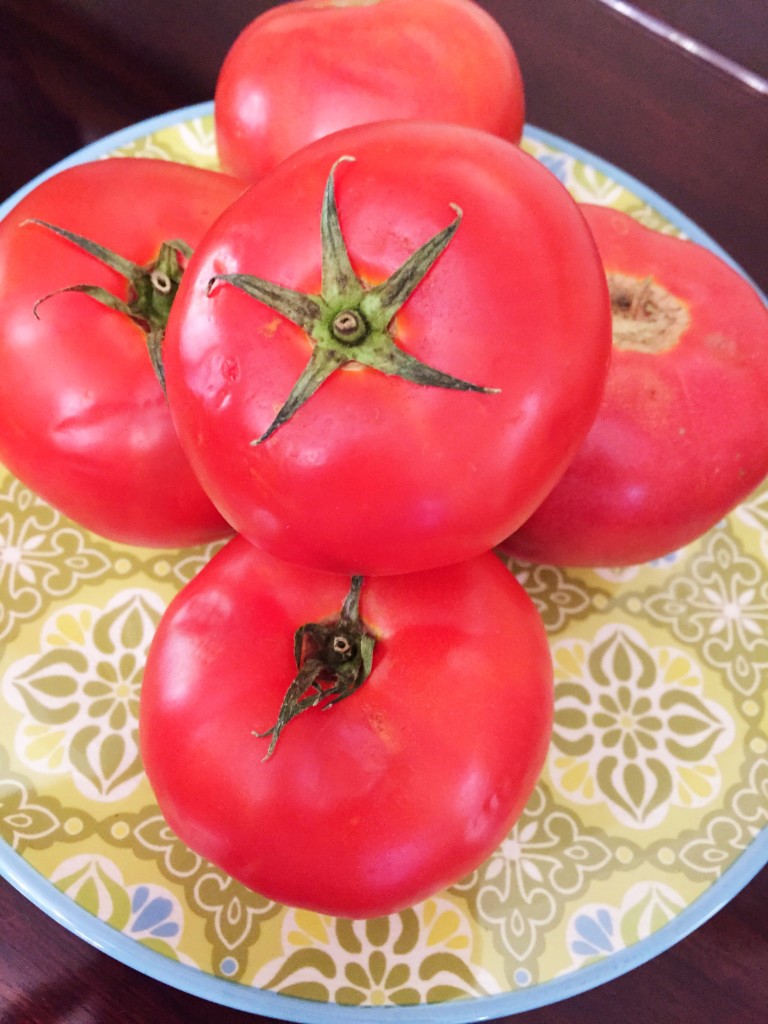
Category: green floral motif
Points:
column 149, row 837
column 233, row 915
column 23, row 820
column 648, row 215
column 709, row 850
column 423, row 955
column 520, row 892
column 750, row 803
column 148, row 913
column 754, row 514
column 194, row 142
column 559, row 598
column 233, row 918
column 26, row 819
column 96, row 885
column 720, row 605
column 633, row 729
column 179, row 566
column 598, row 930
column 42, row 555
column 587, row 184
column 79, row 694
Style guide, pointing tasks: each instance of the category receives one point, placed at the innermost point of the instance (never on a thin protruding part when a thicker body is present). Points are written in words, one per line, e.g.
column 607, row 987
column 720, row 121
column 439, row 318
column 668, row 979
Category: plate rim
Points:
column 41, row 892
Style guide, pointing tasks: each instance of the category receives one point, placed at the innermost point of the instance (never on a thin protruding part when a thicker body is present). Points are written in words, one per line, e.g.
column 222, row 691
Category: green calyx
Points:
column 348, row 321
column 334, row 658
column 151, row 288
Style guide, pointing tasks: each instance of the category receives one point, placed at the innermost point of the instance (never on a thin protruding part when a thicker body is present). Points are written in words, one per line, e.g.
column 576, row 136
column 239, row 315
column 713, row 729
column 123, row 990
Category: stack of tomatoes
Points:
column 377, row 349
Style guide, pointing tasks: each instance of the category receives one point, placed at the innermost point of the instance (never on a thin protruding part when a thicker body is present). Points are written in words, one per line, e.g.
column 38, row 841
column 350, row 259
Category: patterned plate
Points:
column 652, row 811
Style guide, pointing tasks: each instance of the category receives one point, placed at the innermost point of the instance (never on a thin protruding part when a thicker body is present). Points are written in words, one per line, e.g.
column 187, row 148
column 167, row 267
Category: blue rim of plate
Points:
column 58, row 906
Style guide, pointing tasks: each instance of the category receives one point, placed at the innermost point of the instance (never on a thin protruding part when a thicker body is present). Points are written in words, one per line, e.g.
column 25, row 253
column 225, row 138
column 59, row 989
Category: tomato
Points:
column 372, row 804
column 305, row 69
column 83, row 418
column 682, row 434
column 374, row 472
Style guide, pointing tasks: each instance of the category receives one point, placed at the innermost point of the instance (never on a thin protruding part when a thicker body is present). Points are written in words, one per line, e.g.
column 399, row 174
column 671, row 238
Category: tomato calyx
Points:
column 334, row 658
column 646, row 317
column 151, row 288
column 349, row 321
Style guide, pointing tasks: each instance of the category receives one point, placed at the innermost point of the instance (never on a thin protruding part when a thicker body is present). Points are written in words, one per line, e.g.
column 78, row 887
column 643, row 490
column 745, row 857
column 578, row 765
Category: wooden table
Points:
column 691, row 126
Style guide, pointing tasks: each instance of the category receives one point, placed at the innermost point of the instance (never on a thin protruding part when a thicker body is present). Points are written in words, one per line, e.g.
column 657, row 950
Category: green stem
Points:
column 334, row 658
column 151, row 288
column 348, row 321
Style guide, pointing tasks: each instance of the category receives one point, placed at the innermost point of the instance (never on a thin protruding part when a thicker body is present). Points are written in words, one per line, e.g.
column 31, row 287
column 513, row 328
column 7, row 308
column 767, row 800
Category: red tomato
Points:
column 682, row 434
column 305, row 69
column 391, row 794
column 83, row 418
column 377, row 474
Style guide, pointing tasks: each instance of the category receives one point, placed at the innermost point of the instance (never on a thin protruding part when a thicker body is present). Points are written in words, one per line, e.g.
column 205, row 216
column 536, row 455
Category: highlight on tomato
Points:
column 90, row 262
column 305, row 69
column 346, row 746
column 385, row 353
column 681, row 437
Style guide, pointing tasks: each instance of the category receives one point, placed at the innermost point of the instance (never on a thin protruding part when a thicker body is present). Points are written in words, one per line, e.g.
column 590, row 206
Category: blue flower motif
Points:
column 595, row 934
column 557, row 164
column 152, row 914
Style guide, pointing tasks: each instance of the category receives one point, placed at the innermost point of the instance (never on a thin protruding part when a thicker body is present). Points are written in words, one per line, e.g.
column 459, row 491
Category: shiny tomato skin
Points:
column 375, row 474
column 83, row 419
column 681, row 437
column 395, row 792
column 302, row 70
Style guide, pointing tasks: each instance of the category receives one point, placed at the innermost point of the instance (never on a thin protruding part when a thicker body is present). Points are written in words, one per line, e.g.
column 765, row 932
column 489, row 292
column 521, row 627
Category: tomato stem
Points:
column 349, row 321
column 151, row 288
column 334, row 658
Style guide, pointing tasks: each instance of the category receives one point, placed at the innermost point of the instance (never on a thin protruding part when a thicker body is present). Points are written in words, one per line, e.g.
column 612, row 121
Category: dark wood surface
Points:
column 73, row 70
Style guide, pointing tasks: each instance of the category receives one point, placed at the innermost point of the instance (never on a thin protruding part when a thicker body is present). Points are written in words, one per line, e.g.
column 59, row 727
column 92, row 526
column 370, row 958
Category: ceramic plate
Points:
column 623, row 849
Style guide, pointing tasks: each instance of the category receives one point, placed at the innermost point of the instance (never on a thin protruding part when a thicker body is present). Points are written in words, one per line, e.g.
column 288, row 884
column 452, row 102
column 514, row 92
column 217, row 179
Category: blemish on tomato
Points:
column 646, row 317
column 230, row 369
column 272, row 326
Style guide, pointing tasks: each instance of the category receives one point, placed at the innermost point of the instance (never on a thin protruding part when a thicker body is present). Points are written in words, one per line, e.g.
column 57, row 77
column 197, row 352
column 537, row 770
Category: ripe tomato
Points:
column 682, row 434
column 391, row 794
column 83, row 418
column 375, row 473
column 305, row 69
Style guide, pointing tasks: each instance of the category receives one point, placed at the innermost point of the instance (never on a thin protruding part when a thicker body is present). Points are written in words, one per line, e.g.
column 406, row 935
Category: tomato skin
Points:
column 303, row 70
column 83, row 419
column 395, row 792
column 376, row 474
column 682, row 435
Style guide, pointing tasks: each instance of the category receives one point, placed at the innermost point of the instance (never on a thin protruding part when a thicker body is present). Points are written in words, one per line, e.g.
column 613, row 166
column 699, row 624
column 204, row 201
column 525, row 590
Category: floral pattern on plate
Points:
column 656, row 782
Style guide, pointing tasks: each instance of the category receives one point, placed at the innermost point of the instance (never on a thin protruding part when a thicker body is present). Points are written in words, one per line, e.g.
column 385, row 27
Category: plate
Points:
column 623, row 849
